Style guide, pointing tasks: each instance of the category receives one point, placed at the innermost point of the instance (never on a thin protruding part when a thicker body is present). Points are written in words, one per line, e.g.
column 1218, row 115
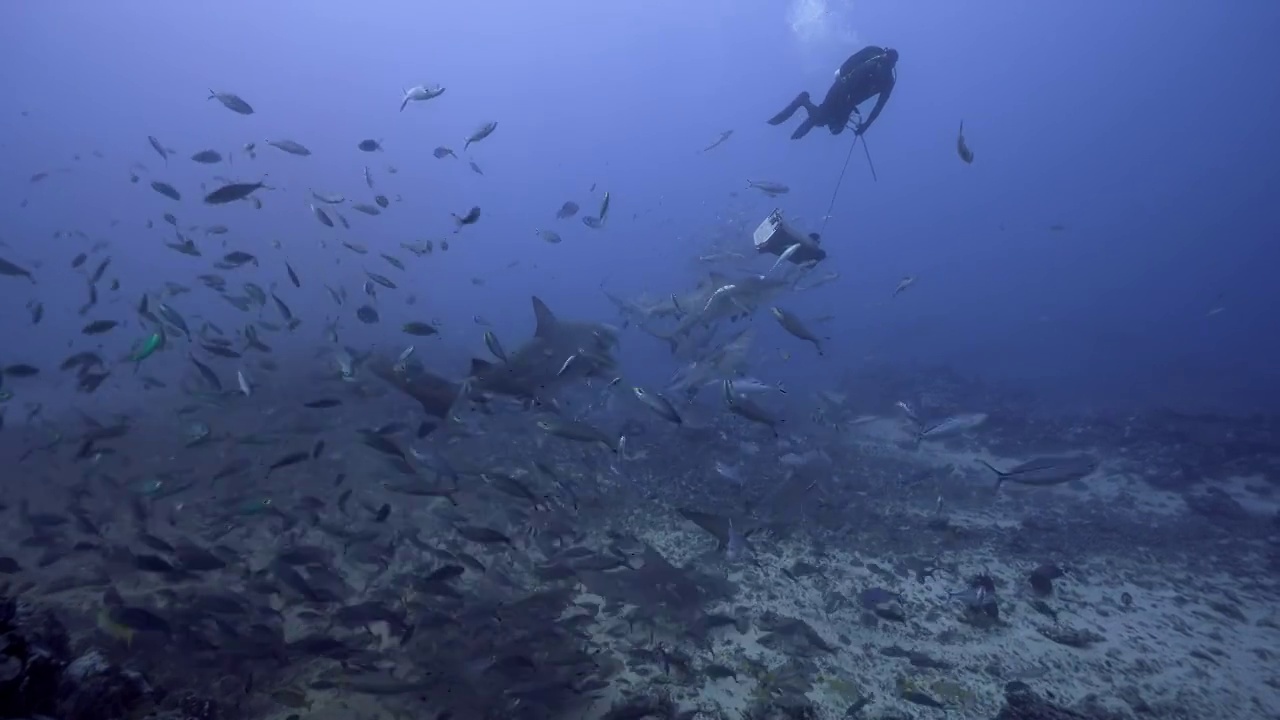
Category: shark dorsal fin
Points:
column 545, row 319
column 478, row 366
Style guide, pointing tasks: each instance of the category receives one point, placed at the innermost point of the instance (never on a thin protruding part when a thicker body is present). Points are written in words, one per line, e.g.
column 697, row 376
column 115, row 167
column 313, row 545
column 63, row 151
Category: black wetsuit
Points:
column 867, row 73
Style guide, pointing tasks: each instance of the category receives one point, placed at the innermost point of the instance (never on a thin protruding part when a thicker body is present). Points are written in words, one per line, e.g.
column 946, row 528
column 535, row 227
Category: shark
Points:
column 716, row 297
column 727, row 360
column 642, row 311
column 730, row 301
column 559, row 353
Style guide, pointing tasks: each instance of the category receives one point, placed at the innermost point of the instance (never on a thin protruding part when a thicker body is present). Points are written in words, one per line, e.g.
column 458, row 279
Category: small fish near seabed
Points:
column 747, row 408
column 768, row 187
column 1045, row 471
column 796, row 327
column 954, row 425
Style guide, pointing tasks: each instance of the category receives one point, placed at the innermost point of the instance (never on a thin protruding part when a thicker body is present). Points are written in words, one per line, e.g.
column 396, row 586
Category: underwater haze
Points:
column 713, row 359
column 1125, row 158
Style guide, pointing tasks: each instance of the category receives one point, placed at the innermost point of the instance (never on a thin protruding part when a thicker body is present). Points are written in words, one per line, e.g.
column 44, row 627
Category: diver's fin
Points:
column 801, row 100
column 804, row 129
column 545, row 319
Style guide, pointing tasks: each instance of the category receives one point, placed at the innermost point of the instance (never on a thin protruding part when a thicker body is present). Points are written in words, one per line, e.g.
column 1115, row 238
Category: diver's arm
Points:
column 875, row 111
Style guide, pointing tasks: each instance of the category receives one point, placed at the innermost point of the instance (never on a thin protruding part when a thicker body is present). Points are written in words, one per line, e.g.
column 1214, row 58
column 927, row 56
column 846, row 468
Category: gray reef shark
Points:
column 642, row 311
column 560, row 352
column 730, row 301
column 723, row 361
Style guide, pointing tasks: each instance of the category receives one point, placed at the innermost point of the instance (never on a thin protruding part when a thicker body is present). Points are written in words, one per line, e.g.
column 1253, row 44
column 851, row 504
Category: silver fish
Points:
column 419, row 93
column 785, row 256
column 481, row 133
column 768, row 187
column 796, row 327
column 1045, row 471
column 401, row 366
column 291, row 147
column 954, row 425
column 232, row 102
column 495, row 347
column 658, row 404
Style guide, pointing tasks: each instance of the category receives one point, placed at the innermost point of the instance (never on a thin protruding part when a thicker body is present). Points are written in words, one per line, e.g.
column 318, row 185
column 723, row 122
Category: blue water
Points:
column 1145, row 133
column 1110, row 253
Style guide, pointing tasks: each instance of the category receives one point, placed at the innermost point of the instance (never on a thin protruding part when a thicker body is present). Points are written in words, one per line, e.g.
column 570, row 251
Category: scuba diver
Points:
column 868, row 72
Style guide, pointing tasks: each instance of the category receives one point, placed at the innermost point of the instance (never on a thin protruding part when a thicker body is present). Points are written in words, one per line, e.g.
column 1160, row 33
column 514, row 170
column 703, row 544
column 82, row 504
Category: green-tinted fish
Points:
column 256, row 506
column 196, row 433
column 147, row 347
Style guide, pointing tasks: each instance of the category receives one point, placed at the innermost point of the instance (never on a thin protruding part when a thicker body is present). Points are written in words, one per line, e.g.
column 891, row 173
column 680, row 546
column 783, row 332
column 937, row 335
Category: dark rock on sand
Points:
column 42, row 677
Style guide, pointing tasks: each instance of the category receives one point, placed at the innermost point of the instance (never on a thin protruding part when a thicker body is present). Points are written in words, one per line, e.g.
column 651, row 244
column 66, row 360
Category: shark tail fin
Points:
column 436, row 394
column 992, row 468
column 1000, row 474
